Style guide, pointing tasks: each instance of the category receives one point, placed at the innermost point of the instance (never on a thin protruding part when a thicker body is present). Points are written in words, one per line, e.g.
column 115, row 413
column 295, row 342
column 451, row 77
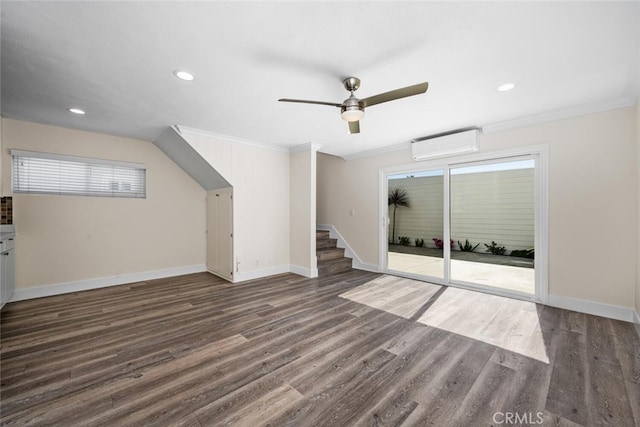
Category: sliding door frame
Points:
column 541, row 223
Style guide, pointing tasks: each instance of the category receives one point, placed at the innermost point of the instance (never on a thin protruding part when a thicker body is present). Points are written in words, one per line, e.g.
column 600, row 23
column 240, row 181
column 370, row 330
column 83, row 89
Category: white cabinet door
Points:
column 220, row 232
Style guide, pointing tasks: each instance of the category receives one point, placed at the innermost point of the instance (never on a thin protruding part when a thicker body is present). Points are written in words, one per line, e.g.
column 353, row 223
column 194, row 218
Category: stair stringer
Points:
column 348, row 251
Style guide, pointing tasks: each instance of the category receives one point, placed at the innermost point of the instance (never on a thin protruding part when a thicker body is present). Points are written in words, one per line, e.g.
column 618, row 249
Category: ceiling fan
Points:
column 352, row 108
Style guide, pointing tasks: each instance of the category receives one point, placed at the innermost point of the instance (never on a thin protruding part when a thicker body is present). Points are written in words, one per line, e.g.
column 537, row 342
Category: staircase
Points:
column 331, row 258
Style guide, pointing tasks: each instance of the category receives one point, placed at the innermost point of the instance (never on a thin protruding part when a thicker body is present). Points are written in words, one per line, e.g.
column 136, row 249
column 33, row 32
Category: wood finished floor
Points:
column 289, row 351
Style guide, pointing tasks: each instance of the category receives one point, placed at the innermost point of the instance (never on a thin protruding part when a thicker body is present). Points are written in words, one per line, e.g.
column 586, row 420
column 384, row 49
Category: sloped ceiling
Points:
column 116, row 60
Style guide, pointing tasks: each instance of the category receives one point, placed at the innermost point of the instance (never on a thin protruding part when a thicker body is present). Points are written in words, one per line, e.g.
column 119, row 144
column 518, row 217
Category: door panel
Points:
column 416, row 223
column 220, row 232
column 493, row 211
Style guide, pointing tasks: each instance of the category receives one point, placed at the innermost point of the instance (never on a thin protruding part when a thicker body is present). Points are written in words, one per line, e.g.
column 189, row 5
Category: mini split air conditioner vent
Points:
column 443, row 145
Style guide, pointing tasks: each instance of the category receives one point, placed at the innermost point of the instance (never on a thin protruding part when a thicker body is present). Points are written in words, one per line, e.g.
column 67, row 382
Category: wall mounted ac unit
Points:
column 442, row 145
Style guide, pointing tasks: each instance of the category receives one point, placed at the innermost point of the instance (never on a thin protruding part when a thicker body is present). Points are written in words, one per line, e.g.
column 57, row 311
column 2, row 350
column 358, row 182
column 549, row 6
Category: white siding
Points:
column 424, row 216
column 485, row 206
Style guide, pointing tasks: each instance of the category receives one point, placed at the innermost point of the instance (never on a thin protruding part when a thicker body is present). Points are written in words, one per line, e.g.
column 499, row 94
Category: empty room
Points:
column 319, row 213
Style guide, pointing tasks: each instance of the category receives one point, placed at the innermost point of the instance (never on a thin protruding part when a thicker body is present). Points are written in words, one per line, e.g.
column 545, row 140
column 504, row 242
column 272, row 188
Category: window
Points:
column 44, row 173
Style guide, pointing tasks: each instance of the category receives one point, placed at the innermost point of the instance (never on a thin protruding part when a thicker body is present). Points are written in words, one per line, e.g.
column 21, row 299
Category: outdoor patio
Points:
column 504, row 272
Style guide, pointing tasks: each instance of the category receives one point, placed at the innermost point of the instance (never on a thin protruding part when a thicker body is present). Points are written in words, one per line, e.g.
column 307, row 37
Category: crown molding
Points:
column 309, row 146
column 228, row 138
column 563, row 113
column 376, row 151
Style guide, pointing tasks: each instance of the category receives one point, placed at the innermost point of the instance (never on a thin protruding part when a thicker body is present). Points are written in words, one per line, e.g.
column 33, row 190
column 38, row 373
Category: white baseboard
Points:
column 306, row 272
column 591, row 307
column 374, row 268
column 103, row 282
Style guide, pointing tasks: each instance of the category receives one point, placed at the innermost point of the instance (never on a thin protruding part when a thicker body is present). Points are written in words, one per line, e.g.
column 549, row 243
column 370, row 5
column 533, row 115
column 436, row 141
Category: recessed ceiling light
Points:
column 76, row 111
column 183, row 75
column 506, row 87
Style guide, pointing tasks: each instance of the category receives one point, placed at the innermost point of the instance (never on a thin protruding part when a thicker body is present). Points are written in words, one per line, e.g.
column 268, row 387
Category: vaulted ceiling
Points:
column 116, row 60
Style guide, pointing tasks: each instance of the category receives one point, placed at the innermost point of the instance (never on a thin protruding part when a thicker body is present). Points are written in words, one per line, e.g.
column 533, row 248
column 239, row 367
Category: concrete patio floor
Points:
column 508, row 277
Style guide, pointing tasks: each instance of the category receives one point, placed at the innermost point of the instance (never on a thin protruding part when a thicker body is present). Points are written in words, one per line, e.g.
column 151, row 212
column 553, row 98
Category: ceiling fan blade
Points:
column 354, row 127
column 304, row 101
column 395, row 94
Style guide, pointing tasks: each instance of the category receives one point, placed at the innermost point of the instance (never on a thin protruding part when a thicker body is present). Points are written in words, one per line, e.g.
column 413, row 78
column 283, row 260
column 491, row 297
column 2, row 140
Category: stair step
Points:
column 322, row 234
column 330, row 253
column 331, row 266
column 326, row 243
column 330, row 257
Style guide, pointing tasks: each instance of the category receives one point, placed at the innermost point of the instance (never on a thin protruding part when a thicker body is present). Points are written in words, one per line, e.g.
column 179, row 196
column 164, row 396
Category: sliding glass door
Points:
column 492, row 224
column 416, row 224
column 469, row 224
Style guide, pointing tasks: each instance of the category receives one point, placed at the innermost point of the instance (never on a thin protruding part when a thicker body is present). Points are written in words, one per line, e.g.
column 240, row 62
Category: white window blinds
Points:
column 44, row 173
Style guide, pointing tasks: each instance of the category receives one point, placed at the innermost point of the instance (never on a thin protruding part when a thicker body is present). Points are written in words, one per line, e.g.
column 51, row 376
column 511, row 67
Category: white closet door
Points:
column 220, row 232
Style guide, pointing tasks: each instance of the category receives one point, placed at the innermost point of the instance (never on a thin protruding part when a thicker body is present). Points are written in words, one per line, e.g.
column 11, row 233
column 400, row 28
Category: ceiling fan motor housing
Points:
column 351, row 83
column 352, row 110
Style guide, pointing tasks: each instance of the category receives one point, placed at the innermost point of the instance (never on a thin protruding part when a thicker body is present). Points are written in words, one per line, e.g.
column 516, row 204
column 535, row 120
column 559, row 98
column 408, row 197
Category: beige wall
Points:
column 352, row 186
column 74, row 238
column 260, row 180
column 1, row 162
column 637, row 304
column 592, row 186
column 303, row 211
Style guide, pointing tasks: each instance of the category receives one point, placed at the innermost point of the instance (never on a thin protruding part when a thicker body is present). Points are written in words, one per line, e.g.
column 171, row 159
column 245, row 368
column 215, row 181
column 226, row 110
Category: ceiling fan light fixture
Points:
column 352, row 113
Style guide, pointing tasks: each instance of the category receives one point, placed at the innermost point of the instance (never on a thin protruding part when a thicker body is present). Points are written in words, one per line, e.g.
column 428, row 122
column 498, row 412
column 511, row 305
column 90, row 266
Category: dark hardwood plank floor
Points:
column 353, row 348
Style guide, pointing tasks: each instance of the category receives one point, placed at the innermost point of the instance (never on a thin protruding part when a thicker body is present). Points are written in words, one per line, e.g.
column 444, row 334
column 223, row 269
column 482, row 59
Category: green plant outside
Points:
column 404, row 241
column 467, row 247
column 495, row 249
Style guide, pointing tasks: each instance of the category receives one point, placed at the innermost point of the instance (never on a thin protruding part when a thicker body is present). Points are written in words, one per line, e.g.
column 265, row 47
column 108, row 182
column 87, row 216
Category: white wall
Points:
column 303, row 212
column 62, row 239
column 592, row 201
column 637, row 299
column 260, row 180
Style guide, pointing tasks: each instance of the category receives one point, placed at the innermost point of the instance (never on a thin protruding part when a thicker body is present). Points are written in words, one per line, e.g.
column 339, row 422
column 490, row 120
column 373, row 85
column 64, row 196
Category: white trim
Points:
column 636, row 321
column 311, row 273
column 564, row 113
column 103, row 282
column 541, row 231
column 348, row 250
column 592, row 307
column 375, row 151
column 367, row 267
column 228, row 138
column 309, row 146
